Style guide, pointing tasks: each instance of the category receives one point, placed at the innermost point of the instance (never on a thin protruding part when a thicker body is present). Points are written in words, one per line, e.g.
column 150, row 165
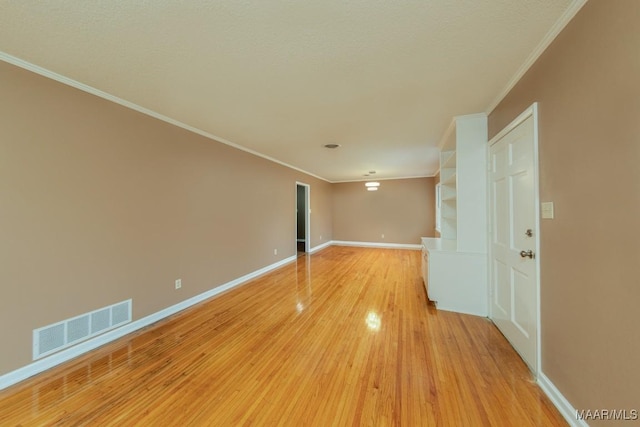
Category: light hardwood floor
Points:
column 340, row 338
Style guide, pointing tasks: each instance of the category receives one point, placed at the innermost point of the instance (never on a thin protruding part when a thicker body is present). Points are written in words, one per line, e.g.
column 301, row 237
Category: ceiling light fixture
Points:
column 372, row 188
column 372, row 184
column 331, row 146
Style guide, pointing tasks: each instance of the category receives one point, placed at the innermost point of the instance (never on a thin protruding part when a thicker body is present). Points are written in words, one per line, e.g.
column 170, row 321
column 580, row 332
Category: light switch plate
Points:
column 547, row 210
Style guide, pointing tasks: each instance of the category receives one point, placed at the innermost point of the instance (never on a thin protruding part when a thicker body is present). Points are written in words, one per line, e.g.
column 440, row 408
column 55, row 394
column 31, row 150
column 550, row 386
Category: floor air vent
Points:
column 55, row 337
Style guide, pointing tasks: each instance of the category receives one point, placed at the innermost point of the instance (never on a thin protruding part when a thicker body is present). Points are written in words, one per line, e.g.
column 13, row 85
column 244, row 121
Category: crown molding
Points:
column 109, row 97
column 373, row 178
column 559, row 25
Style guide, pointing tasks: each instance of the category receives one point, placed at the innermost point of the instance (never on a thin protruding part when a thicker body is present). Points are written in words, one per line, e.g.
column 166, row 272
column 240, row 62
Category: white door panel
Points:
column 502, row 294
column 514, row 292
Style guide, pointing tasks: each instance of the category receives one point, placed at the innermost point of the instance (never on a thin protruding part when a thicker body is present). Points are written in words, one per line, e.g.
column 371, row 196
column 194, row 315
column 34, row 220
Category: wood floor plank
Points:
column 341, row 337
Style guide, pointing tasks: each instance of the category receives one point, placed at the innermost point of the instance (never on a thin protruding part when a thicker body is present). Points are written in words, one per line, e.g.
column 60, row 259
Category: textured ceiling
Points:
column 282, row 78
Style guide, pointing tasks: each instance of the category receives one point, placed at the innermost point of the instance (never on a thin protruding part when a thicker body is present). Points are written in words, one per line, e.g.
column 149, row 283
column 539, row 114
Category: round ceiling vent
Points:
column 331, row 146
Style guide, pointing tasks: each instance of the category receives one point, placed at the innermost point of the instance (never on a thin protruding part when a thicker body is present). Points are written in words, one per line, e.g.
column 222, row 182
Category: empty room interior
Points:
column 320, row 213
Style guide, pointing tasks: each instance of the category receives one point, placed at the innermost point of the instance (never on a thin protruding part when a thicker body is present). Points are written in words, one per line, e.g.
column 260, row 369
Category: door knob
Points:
column 527, row 254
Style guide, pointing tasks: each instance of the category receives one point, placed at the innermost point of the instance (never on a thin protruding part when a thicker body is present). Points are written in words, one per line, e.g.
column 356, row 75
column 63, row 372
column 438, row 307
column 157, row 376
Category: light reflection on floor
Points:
column 373, row 321
column 303, row 282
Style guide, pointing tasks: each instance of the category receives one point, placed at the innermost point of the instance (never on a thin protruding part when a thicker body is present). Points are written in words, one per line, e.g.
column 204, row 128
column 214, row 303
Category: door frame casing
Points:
column 531, row 111
column 307, row 214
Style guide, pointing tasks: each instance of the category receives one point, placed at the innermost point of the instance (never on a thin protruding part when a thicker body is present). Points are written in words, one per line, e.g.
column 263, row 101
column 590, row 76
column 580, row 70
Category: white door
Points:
column 514, row 236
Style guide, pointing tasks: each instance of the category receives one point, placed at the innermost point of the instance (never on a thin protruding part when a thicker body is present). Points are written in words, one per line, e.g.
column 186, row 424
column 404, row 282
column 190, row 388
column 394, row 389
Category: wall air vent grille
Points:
column 51, row 338
column 78, row 328
column 121, row 313
column 60, row 335
column 100, row 320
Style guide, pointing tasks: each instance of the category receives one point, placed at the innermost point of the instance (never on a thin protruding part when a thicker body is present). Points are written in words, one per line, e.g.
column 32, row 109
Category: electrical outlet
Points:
column 321, row 237
column 178, row 283
column 383, row 236
column 275, row 252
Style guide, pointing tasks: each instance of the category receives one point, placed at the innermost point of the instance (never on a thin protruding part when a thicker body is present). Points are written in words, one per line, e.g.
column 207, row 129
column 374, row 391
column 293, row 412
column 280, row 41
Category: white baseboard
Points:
column 566, row 409
column 49, row 362
column 320, row 247
column 377, row 245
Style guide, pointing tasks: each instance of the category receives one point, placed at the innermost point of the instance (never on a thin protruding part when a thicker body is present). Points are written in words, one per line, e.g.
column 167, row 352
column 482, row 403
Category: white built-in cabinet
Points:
column 455, row 265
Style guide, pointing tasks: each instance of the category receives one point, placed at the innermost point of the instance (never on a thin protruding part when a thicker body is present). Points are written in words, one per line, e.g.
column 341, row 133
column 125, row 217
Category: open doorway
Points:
column 302, row 217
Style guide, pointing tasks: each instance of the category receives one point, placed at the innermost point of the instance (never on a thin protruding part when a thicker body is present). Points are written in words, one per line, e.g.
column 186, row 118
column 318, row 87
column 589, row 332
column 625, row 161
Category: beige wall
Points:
column 587, row 84
column 99, row 203
column 402, row 210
